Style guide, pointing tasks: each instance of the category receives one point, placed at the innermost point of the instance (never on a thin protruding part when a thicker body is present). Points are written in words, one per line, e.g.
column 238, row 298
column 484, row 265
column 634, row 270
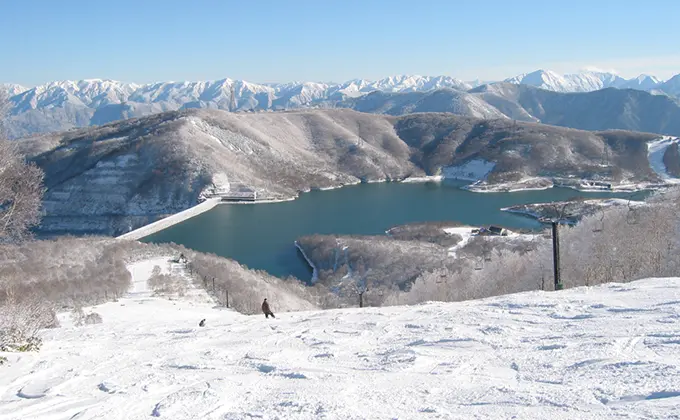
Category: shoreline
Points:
column 187, row 214
column 171, row 220
column 315, row 272
column 268, row 201
column 510, row 188
column 533, row 210
column 211, row 203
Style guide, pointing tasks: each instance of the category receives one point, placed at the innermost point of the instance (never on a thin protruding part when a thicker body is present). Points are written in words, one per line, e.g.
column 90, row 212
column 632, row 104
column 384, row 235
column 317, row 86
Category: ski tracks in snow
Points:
column 600, row 352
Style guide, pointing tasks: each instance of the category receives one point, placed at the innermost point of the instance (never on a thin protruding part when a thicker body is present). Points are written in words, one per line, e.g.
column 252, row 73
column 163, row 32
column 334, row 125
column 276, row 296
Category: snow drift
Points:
column 597, row 352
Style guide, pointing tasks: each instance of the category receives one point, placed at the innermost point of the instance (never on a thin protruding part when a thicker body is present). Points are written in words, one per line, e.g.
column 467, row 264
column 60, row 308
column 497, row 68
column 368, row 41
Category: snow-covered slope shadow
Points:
column 465, row 232
column 655, row 153
column 602, row 352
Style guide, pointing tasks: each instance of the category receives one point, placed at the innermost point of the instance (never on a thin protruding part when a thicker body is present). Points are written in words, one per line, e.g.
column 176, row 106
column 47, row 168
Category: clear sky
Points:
column 331, row 40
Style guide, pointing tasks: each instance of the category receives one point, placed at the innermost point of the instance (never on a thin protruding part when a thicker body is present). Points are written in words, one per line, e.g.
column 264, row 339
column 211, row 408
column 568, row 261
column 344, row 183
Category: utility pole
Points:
column 556, row 254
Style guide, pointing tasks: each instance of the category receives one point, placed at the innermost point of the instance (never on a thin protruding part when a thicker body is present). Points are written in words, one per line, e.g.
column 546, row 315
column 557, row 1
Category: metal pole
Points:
column 556, row 255
column 226, row 297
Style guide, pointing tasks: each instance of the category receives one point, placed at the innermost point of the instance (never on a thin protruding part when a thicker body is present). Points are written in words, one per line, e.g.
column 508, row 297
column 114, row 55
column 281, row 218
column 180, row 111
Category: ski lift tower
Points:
column 555, row 222
column 556, row 253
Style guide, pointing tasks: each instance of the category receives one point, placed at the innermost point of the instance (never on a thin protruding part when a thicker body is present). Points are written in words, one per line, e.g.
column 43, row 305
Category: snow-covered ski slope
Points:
column 655, row 152
column 611, row 351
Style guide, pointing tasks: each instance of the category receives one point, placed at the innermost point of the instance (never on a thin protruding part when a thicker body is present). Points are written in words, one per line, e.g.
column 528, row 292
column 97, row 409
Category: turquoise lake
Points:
column 261, row 236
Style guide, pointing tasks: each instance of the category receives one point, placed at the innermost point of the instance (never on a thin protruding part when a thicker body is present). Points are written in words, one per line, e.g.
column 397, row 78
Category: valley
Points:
column 121, row 176
column 263, row 236
column 451, row 210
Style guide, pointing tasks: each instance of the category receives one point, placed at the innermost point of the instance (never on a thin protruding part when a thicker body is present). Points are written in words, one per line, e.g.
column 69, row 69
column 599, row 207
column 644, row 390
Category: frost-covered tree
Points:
column 21, row 187
column 618, row 244
column 359, row 275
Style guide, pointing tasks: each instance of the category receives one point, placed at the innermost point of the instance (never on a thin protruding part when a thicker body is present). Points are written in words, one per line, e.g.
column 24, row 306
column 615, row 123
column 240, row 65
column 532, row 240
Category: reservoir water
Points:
column 261, row 236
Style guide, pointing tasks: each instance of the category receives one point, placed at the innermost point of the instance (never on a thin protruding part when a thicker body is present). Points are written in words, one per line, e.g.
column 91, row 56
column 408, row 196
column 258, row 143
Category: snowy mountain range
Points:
column 604, row 109
column 583, row 82
column 57, row 106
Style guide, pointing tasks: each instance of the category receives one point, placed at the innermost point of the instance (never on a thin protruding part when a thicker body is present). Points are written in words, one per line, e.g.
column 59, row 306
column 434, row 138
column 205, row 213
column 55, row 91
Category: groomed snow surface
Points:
column 655, row 152
column 610, row 351
column 466, row 234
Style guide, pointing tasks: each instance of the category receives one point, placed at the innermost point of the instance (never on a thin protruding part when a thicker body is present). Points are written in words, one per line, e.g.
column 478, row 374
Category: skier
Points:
column 266, row 310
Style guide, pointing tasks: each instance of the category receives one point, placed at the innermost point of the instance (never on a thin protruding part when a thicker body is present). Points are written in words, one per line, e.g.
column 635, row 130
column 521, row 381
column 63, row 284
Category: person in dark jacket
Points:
column 266, row 310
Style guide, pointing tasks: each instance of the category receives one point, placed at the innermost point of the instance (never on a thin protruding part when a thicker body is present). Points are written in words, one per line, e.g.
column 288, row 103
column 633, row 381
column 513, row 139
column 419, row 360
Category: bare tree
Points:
column 359, row 274
column 21, row 187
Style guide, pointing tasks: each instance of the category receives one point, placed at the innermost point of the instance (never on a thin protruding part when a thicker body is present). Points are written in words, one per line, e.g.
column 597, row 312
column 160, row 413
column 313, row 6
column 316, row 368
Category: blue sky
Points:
column 328, row 40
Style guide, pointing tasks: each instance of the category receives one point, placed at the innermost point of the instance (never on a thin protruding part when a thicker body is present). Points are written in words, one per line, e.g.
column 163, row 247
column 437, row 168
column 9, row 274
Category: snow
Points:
column 655, row 152
column 174, row 219
column 473, row 170
column 585, row 81
column 465, row 232
column 525, row 184
column 601, row 352
column 616, row 202
column 94, row 93
column 315, row 272
column 585, row 185
column 13, row 88
column 82, row 98
column 427, row 178
column 670, row 87
column 610, row 202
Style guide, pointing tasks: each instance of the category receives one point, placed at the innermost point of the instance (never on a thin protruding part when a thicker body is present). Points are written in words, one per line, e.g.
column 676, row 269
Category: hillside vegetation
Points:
column 422, row 262
column 39, row 278
column 115, row 178
column 605, row 109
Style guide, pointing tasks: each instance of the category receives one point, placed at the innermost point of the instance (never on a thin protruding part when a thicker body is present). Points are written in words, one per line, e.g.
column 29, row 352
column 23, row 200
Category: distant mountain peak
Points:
column 65, row 104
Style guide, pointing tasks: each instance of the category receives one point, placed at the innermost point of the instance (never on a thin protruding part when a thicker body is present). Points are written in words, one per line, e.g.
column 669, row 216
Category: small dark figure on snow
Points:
column 266, row 310
column 202, row 323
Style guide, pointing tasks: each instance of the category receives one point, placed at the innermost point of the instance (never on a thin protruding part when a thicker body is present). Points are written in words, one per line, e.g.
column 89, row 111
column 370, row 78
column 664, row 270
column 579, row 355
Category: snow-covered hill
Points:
column 609, row 351
column 66, row 104
column 604, row 109
column 642, row 82
column 671, row 87
column 578, row 82
column 112, row 179
column 440, row 100
column 12, row 88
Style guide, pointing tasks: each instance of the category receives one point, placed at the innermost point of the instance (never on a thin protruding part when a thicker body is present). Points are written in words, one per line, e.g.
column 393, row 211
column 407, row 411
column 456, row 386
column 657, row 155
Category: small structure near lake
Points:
column 246, row 195
column 490, row 231
column 230, row 194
